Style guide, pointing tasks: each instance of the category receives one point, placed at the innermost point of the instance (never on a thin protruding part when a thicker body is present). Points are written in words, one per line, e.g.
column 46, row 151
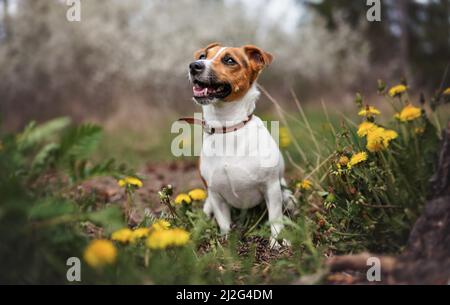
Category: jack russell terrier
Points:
column 224, row 84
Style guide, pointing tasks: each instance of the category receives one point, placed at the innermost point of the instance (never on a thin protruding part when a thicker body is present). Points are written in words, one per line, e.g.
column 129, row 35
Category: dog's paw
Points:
column 276, row 245
column 208, row 210
column 224, row 231
column 223, row 237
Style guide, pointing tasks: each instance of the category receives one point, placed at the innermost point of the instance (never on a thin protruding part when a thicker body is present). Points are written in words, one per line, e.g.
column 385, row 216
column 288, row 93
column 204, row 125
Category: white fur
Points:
column 236, row 180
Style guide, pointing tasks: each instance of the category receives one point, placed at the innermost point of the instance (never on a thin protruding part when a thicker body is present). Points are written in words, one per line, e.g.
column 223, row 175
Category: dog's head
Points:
column 225, row 73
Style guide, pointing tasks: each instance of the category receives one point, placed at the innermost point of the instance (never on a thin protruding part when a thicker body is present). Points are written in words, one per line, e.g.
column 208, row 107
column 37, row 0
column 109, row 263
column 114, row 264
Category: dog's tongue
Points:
column 199, row 91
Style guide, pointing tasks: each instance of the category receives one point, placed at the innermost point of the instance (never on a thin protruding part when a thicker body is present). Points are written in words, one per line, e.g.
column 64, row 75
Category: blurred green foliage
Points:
column 42, row 222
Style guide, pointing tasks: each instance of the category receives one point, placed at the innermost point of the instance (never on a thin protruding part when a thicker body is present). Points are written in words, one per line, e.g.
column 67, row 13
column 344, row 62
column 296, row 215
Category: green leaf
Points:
column 35, row 134
column 79, row 142
column 104, row 168
column 322, row 194
column 44, row 156
column 86, row 171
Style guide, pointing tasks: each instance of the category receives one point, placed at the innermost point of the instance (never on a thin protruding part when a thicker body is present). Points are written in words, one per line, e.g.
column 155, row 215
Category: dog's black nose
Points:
column 196, row 67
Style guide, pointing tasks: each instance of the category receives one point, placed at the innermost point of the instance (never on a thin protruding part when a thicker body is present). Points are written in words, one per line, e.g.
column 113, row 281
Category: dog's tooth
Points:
column 206, row 91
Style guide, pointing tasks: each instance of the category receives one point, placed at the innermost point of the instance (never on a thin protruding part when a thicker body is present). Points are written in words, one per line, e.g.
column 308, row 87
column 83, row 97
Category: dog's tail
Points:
column 289, row 202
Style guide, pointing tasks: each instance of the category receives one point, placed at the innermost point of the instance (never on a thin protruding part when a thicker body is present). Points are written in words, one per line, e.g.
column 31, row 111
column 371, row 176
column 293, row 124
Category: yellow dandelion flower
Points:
column 409, row 113
column 197, row 194
column 162, row 239
column 397, row 90
column 375, row 140
column 161, row 224
column 365, row 127
column 183, row 198
column 100, row 252
column 180, row 237
column 379, row 138
column 285, row 137
column 390, row 135
column 357, row 158
column 138, row 234
column 446, row 91
column 369, row 111
column 133, row 181
column 122, row 235
column 159, row 239
column 343, row 161
column 304, row 185
column 419, row 130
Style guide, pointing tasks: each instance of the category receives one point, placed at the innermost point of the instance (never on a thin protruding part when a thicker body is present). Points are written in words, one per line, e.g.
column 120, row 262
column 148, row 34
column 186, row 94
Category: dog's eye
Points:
column 228, row 60
column 203, row 56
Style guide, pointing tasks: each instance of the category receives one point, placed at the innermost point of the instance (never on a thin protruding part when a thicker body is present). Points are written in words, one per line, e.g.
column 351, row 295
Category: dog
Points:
column 224, row 84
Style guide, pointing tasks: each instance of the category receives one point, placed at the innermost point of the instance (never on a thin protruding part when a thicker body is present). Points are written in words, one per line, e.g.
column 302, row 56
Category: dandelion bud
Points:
column 358, row 99
column 433, row 103
column 169, row 189
column 381, row 86
column 422, row 98
column 330, row 198
column 161, row 194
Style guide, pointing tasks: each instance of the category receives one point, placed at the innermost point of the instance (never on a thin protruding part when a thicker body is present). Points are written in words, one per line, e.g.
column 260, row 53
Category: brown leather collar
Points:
column 212, row 130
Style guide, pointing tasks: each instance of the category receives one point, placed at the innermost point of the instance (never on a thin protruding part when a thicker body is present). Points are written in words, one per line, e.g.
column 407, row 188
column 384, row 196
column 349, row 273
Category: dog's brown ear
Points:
column 203, row 50
column 258, row 57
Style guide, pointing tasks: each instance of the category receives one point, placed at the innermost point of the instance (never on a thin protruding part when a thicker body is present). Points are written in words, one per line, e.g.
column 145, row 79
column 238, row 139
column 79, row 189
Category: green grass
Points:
column 46, row 216
column 136, row 147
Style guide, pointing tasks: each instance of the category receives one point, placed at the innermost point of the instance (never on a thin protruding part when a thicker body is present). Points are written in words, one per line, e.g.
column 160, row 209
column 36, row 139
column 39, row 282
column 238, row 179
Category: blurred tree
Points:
column 415, row 33
column 140, row 49
column 404, row 37
column 429, row 29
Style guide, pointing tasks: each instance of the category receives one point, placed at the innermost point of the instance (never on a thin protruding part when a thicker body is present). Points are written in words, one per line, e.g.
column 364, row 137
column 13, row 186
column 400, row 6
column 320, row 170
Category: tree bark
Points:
column 428, row 251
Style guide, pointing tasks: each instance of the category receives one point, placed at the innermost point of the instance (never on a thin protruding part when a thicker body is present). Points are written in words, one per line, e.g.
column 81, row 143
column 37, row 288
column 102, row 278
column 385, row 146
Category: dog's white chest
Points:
column 236, row 164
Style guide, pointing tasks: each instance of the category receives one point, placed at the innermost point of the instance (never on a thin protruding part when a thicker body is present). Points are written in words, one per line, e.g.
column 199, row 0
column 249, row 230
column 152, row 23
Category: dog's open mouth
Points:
column 210, row 91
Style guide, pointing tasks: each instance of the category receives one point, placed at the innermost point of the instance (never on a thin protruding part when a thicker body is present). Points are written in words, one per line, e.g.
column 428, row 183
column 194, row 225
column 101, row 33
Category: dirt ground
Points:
column 182, row 175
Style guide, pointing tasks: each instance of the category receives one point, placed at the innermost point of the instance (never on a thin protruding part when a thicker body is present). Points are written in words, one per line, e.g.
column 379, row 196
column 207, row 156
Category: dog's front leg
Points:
column 221, row 211
column 274, row 201
column 207, row 207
